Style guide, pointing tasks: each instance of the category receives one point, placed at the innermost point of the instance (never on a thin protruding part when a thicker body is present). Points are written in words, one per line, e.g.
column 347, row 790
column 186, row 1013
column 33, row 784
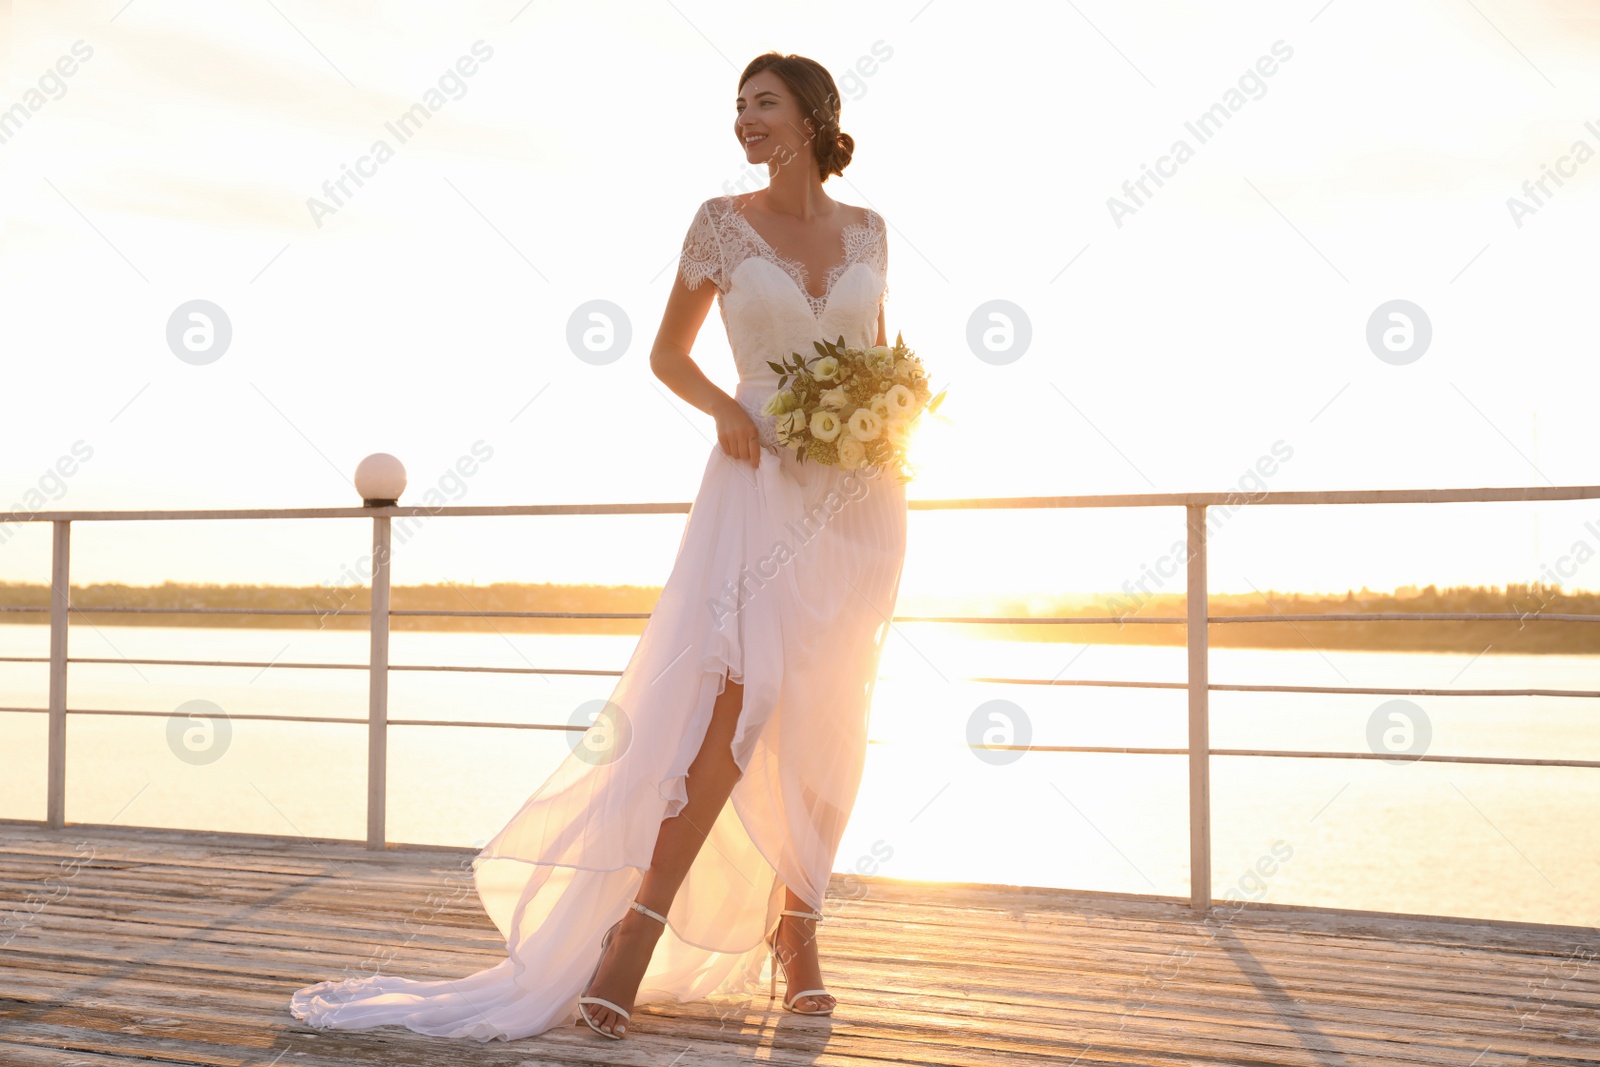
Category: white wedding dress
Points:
column 785, row 581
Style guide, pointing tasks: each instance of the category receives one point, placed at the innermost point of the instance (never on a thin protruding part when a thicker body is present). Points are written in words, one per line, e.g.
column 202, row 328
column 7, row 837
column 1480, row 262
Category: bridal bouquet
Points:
column 850, row 407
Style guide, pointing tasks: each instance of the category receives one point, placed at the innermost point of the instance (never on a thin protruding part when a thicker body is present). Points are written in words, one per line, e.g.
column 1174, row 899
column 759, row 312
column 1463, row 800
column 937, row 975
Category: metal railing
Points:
column 1196, row 621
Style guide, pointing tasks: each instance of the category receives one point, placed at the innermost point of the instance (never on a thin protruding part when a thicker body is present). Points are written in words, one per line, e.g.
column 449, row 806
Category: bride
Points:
column 628, row 877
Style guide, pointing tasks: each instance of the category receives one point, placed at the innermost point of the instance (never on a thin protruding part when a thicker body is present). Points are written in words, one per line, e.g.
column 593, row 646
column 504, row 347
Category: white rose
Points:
column 852, row 453
column 879, row 405
column 779, row 402
column 836, row 399
column 902, row 401
column 864, row 425
column 880, row 358
column 903, row 369
column 825, row 369
column 825, row 425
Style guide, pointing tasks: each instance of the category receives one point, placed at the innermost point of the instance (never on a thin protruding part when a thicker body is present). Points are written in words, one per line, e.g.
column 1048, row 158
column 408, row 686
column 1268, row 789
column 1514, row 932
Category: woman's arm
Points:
column 883, row 329
column 669, row 360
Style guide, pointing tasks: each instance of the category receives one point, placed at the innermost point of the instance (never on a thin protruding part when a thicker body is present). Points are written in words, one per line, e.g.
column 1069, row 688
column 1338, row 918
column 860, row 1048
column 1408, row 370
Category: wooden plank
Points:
column 447, row 956
column 919, row 999
column 926, row 973
column 1051, row 950
column 1061, row 1017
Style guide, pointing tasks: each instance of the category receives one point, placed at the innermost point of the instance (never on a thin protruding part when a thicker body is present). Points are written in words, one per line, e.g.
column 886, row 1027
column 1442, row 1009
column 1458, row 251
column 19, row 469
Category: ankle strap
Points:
column 817, row 915
column 657, row 916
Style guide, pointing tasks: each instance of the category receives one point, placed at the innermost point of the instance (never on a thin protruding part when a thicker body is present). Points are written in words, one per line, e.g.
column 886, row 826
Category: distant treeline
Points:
column 338, row 608
column 335, row 608
column 1527, row 633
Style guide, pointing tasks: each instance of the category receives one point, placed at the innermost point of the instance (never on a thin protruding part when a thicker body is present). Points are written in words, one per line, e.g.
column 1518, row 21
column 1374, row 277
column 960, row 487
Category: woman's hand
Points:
column 736, row 433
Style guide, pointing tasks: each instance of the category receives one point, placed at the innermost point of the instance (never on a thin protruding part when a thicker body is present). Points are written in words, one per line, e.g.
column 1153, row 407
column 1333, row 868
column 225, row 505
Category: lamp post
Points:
column 380, row 479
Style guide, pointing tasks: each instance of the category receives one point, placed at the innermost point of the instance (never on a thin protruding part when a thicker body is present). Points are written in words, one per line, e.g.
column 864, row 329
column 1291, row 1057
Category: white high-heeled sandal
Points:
column 790, row 998
column 605, row 943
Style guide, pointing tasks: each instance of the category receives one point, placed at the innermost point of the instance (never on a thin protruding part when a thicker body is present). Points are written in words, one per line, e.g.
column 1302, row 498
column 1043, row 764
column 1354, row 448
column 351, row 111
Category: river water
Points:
column 1447, row 839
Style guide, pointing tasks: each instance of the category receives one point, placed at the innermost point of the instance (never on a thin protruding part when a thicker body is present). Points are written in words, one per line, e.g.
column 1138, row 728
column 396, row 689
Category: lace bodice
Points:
column 720, row 238
column 766, row 307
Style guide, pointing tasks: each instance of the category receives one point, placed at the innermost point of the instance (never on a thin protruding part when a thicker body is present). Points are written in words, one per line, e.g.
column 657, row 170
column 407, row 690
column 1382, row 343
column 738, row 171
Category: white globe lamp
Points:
column 380, row 479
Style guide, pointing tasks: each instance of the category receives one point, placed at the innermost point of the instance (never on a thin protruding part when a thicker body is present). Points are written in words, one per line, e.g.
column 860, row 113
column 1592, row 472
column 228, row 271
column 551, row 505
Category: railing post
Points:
column 60, row 602
column 1198, row 606
column 378, row 687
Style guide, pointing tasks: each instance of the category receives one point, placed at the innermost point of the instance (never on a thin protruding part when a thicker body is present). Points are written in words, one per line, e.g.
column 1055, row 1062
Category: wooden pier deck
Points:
column 121, row 947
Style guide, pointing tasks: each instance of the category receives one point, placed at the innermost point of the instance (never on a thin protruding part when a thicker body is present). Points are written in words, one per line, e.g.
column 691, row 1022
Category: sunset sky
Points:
column 1176, row 338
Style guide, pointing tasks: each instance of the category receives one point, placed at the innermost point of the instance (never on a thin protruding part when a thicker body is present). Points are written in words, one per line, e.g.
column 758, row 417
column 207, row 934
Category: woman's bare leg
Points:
column 711, row 779
column 797, row 947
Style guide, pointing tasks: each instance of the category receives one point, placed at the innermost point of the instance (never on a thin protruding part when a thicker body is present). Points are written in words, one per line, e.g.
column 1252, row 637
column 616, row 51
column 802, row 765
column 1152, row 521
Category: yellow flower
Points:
column 822, row 451
column 825, row 369
column 825, row 425
column 864, row 425
column 879, row 405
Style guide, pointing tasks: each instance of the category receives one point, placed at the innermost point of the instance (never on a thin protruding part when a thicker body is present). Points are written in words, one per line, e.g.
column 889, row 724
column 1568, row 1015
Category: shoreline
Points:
column 334, row 608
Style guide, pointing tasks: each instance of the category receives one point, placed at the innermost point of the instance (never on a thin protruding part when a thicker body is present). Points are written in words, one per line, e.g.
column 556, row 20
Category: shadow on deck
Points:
column 125, row 947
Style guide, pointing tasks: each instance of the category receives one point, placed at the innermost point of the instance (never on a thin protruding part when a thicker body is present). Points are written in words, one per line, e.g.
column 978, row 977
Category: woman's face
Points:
column 768, row 122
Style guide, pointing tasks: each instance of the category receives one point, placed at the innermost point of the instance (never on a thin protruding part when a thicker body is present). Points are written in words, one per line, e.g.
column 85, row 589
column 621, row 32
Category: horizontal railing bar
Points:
column 1083, row 620
column 1376, row 616
column 1230, row 498
column 1402, row 616
column 398, row 512
column 110, row 610
column 335, row 720
column 1008, row 620
column 456, row 613
column 1240, row 687
column 1021, row 620
column 1304, row 755
column 1095, row 683
column 1498, row 761
column 1111, row 749
column 279, row 664
column 1234, row 498
column 1246, row 688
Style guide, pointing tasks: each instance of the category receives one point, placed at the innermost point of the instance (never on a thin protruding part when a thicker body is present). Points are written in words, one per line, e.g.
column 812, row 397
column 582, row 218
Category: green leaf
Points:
column 822, row 347
column 775, row 368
